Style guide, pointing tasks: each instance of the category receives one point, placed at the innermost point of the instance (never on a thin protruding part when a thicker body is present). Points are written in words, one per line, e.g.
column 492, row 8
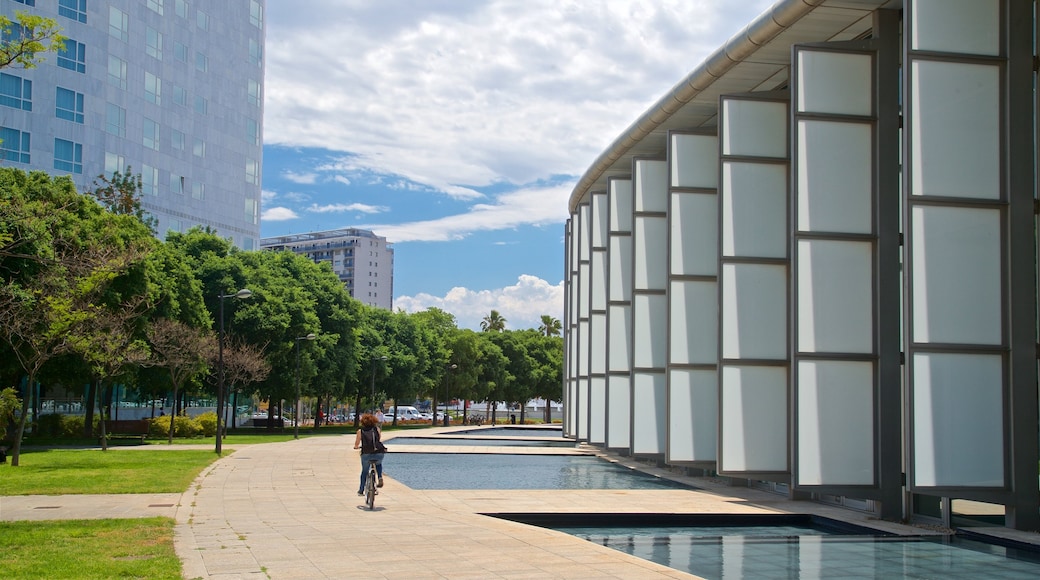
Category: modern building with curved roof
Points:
column 811, row 266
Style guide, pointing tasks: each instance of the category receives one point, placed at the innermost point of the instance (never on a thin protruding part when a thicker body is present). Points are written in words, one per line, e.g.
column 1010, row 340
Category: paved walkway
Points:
column 290, row 510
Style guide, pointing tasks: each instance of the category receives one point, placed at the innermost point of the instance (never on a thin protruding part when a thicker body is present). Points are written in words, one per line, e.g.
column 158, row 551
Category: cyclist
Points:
column 368, row 441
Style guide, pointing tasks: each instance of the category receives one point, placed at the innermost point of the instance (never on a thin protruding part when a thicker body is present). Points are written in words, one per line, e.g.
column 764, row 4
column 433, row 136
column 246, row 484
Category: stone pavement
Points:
column 290, row 510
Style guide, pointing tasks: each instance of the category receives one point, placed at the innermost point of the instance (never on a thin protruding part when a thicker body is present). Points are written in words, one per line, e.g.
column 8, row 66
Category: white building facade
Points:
column 812, row 265
column 168, row 89
column 361, row 259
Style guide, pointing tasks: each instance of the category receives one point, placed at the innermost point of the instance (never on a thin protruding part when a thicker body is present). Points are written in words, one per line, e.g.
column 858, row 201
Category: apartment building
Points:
column 361, row 259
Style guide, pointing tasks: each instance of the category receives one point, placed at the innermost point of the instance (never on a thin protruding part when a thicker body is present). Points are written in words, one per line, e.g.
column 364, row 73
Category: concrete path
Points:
column 290, row 510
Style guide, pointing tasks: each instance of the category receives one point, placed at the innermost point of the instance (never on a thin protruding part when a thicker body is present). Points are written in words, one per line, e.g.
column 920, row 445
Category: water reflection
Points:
column 499, row 471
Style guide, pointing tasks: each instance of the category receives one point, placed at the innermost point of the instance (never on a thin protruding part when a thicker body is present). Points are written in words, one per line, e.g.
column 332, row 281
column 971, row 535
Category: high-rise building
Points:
column 168, row 89
column 361, row 259
column 811, row 266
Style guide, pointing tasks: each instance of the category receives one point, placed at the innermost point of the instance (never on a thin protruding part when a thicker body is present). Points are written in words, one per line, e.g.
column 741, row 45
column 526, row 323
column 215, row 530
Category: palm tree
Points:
column 550, row 326
column 493, row 322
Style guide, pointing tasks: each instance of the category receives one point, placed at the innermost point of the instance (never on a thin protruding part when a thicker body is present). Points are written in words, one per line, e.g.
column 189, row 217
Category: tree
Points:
column 244, row 364
column 120, row 194
column 550, row 326
column 493, row 322
column 181, row 350
column 26, row 37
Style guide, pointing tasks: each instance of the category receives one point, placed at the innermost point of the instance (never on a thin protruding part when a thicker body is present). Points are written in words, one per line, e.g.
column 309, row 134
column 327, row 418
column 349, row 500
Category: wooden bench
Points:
column 134, row 429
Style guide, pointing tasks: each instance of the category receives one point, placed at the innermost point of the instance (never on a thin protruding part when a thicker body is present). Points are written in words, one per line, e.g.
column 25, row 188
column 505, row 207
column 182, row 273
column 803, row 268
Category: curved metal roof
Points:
column 755, row 59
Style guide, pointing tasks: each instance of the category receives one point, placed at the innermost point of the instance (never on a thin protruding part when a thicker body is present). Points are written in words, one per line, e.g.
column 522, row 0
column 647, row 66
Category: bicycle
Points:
column 370, row 484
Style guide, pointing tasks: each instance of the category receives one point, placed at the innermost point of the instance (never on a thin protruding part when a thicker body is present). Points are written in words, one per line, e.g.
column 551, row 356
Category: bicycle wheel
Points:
column 370, row 487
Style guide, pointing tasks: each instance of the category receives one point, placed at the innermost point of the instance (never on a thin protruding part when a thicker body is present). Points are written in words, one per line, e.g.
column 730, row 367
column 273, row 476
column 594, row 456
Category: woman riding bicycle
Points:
column 368, row 440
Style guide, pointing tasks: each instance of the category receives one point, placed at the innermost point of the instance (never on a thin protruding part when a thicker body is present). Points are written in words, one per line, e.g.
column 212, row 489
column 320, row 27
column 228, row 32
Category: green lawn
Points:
column 136, row 548
column 88, row 471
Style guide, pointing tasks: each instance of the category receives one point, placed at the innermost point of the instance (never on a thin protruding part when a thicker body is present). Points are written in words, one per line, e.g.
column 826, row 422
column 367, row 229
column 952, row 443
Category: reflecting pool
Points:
column 502, row 471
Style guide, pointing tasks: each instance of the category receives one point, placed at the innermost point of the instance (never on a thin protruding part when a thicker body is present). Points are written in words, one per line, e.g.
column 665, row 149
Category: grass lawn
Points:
column 88, row 471
column 134, row 548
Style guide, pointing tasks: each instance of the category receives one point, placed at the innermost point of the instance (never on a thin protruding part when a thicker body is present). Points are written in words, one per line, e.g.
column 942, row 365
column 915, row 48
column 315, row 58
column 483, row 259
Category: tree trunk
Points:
column 173, row 415
column 357, row 409
column 88, row 423
column 17, row 449
column 106, row 394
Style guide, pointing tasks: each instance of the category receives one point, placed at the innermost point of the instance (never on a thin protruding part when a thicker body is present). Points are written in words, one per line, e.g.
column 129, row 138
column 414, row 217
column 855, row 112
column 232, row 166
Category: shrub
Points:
column 186, row 427
column 207, row 423
column 159, row 427
column 50, row 425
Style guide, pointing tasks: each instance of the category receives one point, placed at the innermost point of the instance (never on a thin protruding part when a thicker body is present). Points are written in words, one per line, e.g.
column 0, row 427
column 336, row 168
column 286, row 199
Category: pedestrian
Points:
column 368, row 441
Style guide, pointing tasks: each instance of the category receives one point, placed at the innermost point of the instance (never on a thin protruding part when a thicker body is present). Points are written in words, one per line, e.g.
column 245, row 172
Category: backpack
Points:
column 370, row 442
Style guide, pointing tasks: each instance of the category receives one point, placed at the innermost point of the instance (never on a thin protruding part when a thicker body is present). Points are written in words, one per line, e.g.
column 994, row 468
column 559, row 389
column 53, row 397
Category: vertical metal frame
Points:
column 636, row 292
column 885, row 239
column 615, row 301
column 1015, row 203
column 584, row 240
column 568, row 328
column 775, row 97
column 674, row 189
column 596, row 198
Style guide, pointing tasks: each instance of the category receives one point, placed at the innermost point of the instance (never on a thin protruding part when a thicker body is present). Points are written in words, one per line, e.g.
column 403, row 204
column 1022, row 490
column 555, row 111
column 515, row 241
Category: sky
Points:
column 457, row 129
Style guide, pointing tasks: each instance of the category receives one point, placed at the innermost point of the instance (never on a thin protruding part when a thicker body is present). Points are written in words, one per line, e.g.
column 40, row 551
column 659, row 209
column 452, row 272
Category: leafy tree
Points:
column 121, row 194
column 546, row 353
column 493, row 322
column 8, row 403
column 244, row 365
column 26, row 37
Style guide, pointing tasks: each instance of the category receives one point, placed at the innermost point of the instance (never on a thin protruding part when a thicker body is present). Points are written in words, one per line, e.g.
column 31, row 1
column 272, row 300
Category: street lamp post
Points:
column 296, row 409
column 373, row 395
column 451, row 369
column 243, row 293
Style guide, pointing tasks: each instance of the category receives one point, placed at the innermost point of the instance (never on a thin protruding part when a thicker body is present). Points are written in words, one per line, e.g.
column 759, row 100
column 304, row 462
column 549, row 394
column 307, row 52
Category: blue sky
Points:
column 457, row 128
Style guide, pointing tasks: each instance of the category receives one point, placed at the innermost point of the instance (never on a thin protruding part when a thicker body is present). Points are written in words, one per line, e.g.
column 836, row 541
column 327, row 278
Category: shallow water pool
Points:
column 502, row 471
column 478, row 442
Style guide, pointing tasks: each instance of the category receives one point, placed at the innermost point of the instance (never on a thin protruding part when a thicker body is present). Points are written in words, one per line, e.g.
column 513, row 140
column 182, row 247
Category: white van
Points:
column 407, row 413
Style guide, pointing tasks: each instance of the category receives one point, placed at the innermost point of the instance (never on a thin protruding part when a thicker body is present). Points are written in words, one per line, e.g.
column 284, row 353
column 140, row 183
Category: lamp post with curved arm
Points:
column 296, row 408
column 243, row 293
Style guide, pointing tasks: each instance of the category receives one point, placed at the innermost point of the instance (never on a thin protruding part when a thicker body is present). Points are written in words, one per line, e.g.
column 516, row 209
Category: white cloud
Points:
column 522, row 304
column 455, row 95
column 536, row 206
column 267, row 195
column 342, row 179
column 345, row 207
column 303, row 178
column 278, row 214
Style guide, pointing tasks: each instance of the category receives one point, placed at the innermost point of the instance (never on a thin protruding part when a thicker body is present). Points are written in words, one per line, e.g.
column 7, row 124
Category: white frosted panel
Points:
column 956, row 268
column 834, row 82
column 648, row 404
column 583, row 233
column 835, row 423
column 694, row 322
column 834, row 177
column 754, row 418
column 694, row 234
column 619, row 409
column 650, row 325
column 619, row 319
column 583, row 348
column 754, row 311
column 695, row 161
column 583, row 294
column 582, row 423
column 651, row 253
column 598, row 344
column 620, row 267
column 955, row 129
column 650, row 186
column 599, row 280
column 693, row 407
column 754, row 128
column 572, row 407
column 968, row 26
column 597, row 409
column 835, row 296
column 958, row 420
column 620, row 205
column 599, row 220
column 754, row 210
column 574, row 295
